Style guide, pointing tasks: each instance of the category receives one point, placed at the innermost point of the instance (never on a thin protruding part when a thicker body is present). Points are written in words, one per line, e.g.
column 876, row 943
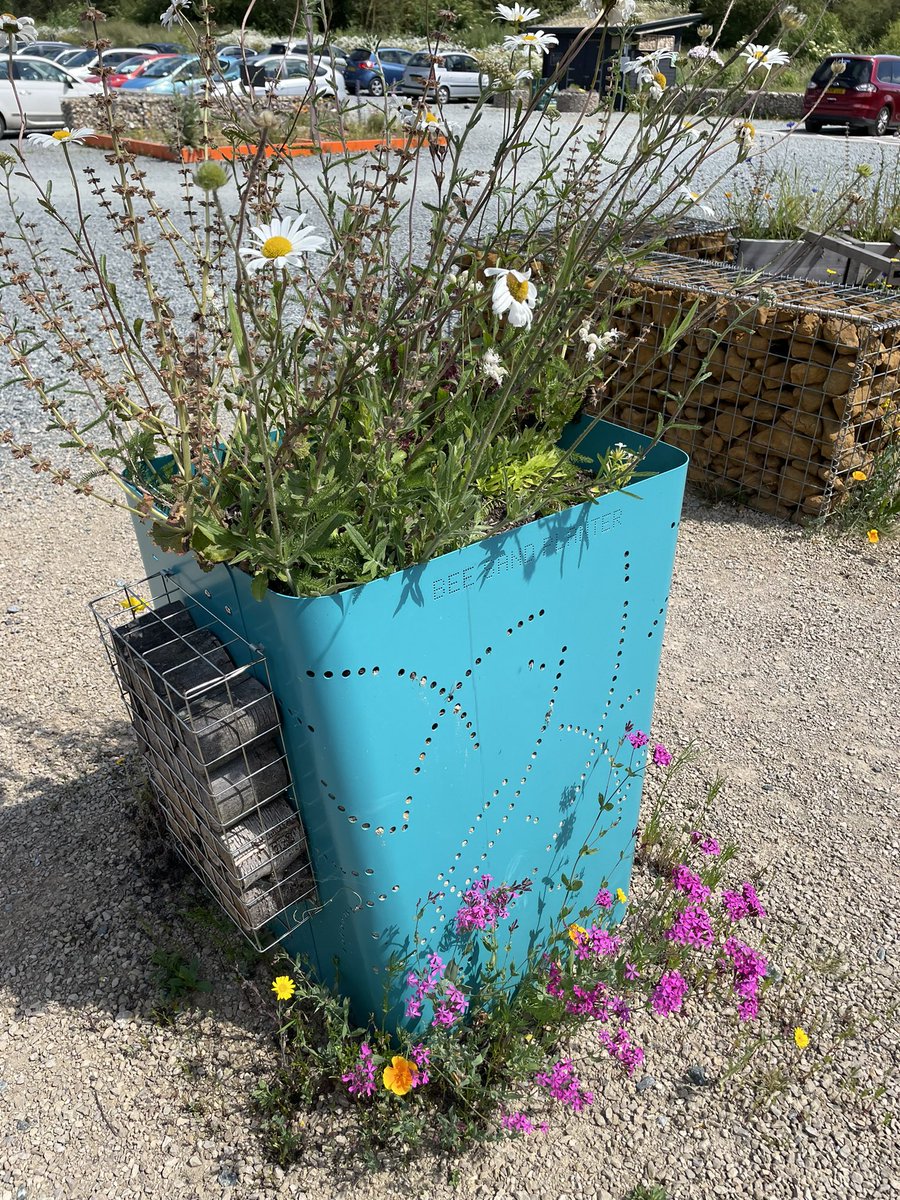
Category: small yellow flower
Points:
column 283, row 987
column 398, row 1077
column 576, row 932
column 728, row 195
column 801, row 1037
column 133, row 604
column 830, row 271
column 872, row 535
column 859, row 476
column 621, row 896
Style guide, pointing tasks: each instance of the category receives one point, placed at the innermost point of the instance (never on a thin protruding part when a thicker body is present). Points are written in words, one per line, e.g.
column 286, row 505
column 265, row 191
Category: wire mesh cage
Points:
column 786, row 391
column 201, row 703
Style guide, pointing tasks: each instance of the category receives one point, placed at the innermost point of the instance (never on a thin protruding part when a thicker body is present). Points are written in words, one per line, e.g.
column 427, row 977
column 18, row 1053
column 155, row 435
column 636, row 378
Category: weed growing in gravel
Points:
column 474, row 1062
column 178, row 980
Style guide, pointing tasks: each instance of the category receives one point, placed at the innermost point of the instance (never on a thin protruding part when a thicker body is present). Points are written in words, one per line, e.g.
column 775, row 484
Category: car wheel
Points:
column 376, row 87
column 882, row 121
column 443, row 95
column 2, row 126
column 813, row 126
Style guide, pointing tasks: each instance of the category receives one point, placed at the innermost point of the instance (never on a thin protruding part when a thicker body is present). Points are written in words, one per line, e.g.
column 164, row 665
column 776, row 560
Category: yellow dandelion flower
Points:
column 283, row 987
column 801, row 1037
column 133, row 604
column 872, row 535
column 859, row 476
column 576, row 932
column 621, row 896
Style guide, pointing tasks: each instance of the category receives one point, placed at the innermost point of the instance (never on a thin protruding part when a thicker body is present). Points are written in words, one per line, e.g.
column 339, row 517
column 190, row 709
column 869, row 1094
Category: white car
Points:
column 289, row 75
column 456, row 77
column 87, row 62
column 41, row 87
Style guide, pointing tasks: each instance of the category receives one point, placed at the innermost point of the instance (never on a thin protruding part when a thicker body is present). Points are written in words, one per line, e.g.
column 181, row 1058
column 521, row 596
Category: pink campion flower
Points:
column 421, row 1056
column 596, row 943
column 708, row 845
column 735, row 905
column 519, row 1123
column 562, row 1084
column 748, row 1010
column 621, row 1047
column 668, row 995
column 661, row 756
column 692, row 927
column 360, row 1079
column 686, row 881
column 753, row 902
column 604, row 898
column 631, row 972
column 638, row 739
column 554, row 981
column 589, row 1002
column 749, row 968
column 483, row 906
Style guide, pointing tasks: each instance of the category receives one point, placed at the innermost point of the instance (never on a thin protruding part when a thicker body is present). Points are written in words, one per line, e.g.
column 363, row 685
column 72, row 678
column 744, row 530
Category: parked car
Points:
column 181, row 73
column 87, row 62
column 864, row 94
column 48, row 50
column 456, row 74
column 162, row 47
column 41, row 87
column 332, row 54
column 289, row 75
column 131, row 68
column 375, row 71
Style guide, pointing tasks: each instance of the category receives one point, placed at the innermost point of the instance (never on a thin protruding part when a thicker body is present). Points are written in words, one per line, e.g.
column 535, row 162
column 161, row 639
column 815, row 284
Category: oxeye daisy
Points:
column 694, row 198
column 531, row 41
column 174, row 14
column 516, row 13
column 61, row 137
column 514, row 295
column 765, row 56
column 280, row 243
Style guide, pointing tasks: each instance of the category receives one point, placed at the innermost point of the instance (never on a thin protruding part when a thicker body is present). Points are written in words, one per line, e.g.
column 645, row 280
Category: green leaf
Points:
column 259, row 586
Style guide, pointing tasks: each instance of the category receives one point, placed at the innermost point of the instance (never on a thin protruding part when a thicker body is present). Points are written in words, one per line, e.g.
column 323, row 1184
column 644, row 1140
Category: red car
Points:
column 131, row 68
column 864, row 94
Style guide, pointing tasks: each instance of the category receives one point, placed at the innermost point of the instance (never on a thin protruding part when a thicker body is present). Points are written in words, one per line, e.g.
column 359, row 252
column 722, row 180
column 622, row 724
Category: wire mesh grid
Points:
column 201, row 703
column 784, row 392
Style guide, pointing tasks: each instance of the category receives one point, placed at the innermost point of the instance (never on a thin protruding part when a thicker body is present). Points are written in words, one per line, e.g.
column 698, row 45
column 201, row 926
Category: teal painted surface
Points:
column 457, row 718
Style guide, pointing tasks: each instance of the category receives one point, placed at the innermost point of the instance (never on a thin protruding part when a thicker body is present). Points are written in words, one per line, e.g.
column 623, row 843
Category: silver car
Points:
column 289, row 75
column 457, row 76
column 41, row 86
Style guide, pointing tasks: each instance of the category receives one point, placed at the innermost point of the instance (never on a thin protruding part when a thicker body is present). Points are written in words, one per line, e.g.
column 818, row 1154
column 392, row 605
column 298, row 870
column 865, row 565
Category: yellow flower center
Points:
column 274, row 247
column 759, row 55
column 529, row 37
column 61, row 135
column 518, row 288
column 659, row 79
column 430, row 118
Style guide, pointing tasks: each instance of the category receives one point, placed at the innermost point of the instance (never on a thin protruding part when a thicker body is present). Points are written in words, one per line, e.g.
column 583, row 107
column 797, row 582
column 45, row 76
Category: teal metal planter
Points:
column 458, row 719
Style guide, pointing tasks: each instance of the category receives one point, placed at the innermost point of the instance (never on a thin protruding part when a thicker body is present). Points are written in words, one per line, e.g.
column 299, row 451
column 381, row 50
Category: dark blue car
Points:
column 375, row 71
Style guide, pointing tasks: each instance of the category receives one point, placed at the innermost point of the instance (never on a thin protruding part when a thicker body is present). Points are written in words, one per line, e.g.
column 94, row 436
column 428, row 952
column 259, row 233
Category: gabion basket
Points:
column 201, row 703
column 461, row 718
column 790, row 403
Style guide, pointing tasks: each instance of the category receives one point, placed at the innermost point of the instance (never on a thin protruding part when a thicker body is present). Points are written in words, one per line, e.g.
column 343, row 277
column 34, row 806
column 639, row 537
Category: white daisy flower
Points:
column 516, row 13
column 514, row 295
column 430, row 123
column 695, row 198
column 597, row 343
column 531, row 41
column 492, row 366
column 765, row 56
column 174, row 14
column 617, row 15
column 61, row 137
column 281, row 243
column 745, row 136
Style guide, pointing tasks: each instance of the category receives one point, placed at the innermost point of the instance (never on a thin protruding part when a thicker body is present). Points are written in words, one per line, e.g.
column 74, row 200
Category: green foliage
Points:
column 178, row 979
column 648, row 1191
column 875, row 502
column 889, row 41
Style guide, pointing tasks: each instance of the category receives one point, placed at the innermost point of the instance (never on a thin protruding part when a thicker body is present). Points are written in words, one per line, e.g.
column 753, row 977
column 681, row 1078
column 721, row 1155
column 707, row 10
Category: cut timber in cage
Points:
column 201, row 704
column 786, row 391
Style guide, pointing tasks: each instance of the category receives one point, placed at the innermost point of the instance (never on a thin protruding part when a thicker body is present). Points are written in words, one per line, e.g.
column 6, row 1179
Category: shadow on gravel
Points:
column 90, row 893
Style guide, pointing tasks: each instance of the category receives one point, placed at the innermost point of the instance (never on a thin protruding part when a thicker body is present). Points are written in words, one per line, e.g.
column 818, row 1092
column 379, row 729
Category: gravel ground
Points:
column 781, row 659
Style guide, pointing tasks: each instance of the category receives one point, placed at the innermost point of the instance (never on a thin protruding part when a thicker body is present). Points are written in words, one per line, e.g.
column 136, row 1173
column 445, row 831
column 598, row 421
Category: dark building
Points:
column 593, row 63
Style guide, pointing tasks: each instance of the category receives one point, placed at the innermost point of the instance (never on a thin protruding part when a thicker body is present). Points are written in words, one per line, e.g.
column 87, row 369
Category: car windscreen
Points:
column 164, row 66
column 131, row 64
column 420, row 60
column 82, row 59
column 855, row 72
column 359, row 55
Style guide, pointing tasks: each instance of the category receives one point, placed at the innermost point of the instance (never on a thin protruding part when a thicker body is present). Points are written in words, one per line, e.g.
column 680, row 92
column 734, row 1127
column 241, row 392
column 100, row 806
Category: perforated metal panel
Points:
column 459, row 718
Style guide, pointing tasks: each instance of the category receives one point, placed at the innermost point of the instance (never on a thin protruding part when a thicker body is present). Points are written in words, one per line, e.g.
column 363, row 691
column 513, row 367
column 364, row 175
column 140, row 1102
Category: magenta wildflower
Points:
column 631, row 971
column 424, row 985
column 452, row 1007
column 668, row 995
column 604, row 898
column 483, row 906
column 749, row 968
column 748, row 1010
column 589, row 1002
column 621, row 1047
column 638, row 739
column 360, row 1080
column 692, row 928
column 596, row 942
column 661, row 756
column 752, row 900
column 562, row 1084
column 708, row 845
column 735, row 905
column 554, row 980
column 686, row 881
column 421, row 1056
column 519, row 1123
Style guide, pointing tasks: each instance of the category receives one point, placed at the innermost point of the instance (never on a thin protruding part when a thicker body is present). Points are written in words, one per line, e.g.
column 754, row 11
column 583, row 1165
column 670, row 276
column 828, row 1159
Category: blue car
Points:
column 375, row 71
column 182, row 72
